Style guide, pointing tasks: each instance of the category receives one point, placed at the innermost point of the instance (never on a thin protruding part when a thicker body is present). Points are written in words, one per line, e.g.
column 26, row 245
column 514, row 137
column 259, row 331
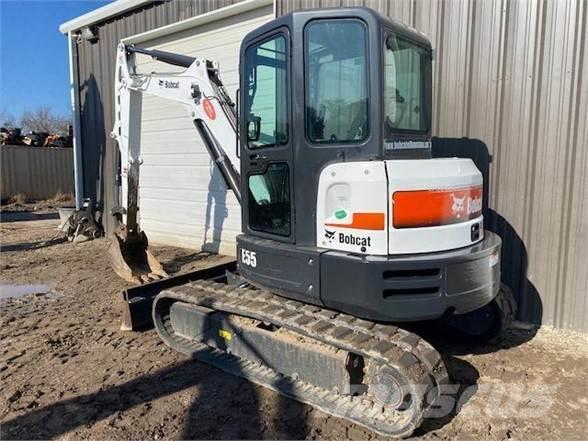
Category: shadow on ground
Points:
column 176, row 264
column 210, row 416
column 32, row 245
column 19, row 216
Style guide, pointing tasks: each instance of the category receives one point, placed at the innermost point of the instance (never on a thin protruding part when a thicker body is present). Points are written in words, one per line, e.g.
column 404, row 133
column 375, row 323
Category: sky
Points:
column 34, row 68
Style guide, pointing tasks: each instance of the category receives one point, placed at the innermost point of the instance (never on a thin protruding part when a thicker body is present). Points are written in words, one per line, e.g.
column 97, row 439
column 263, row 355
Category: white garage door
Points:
column 183, row 198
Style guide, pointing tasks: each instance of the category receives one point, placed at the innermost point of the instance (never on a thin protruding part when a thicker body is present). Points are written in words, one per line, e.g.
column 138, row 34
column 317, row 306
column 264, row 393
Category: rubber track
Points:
column 384, row 344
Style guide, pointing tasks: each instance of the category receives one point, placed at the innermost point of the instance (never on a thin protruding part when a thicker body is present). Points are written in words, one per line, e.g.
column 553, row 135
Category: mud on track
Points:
column 66, row 371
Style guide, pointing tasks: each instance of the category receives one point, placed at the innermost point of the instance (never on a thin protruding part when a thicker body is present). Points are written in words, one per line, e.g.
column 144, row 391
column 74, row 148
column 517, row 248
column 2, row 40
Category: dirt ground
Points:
column 67, row 371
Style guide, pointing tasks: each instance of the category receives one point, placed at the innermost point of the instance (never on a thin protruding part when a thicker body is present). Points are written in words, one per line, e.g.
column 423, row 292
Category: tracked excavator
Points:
column 349, row 226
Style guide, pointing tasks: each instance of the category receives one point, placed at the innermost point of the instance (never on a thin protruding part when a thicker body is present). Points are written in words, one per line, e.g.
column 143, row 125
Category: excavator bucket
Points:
column 131, row 258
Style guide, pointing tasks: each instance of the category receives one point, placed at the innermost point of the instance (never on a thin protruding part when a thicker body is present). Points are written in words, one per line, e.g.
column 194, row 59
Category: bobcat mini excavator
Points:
column 348, row 223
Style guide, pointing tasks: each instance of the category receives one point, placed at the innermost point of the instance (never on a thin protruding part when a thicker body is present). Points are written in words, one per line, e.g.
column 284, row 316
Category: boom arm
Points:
column 198, row 88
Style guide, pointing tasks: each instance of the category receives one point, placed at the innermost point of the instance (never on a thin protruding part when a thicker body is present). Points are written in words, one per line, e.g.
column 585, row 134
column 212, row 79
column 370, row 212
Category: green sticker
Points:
column 340, row 214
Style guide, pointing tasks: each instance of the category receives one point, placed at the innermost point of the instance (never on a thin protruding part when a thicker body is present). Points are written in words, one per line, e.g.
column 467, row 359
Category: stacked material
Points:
column 34, row 139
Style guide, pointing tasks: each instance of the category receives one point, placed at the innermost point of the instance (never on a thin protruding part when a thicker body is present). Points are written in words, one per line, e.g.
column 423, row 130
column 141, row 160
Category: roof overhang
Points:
column 199, row 20
column 101, row 14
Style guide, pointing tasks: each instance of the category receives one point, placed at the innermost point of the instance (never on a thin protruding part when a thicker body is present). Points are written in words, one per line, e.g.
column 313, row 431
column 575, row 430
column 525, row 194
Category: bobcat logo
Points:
column 458, row 205
column 161, row 83
column 329, row 235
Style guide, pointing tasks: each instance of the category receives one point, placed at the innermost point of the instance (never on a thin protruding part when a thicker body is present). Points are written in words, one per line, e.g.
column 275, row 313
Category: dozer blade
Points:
column 131, row 258
column 138, row 300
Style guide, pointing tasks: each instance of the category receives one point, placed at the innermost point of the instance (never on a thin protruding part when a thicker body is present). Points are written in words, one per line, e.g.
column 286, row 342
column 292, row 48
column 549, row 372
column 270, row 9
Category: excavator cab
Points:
column 343, row 204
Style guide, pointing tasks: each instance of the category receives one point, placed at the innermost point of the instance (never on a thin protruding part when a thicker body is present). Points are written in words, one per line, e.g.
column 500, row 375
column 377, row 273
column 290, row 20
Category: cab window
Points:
column 266, row 100
column 269, row 200
column 407, row 68
column 336, row 81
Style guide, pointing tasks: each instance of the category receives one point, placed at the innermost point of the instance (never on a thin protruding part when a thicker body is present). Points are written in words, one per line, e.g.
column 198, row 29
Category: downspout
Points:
column 74, row 87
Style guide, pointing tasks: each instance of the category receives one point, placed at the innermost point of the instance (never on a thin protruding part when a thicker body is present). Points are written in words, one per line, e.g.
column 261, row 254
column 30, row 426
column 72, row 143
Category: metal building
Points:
column 509, row 77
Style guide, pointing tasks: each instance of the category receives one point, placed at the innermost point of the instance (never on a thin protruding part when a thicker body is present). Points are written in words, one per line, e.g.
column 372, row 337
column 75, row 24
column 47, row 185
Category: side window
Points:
column 266, row 99
column 269, row 200
column 336, row 82
column 406, row 67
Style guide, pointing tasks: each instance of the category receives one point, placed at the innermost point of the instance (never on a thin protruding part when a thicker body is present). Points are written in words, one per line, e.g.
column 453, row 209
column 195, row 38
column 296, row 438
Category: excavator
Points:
column 350, row 227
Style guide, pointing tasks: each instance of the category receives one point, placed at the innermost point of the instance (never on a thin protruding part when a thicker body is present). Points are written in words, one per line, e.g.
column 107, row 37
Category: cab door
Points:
column 266, row 138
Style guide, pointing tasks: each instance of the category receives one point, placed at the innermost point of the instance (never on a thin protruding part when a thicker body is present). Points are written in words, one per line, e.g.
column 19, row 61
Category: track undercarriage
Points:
column 378, row 376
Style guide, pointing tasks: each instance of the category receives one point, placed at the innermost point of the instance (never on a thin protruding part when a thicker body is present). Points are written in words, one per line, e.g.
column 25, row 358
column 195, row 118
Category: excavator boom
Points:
column 199, row 89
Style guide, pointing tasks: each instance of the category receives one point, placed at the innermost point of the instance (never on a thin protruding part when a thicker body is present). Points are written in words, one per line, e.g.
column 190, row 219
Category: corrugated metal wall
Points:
column 512, row 73
column 96, row 79
column 36, row 172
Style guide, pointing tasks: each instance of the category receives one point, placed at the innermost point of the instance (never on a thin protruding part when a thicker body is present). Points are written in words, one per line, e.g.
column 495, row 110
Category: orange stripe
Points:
column 364, row 221
column 426, row 208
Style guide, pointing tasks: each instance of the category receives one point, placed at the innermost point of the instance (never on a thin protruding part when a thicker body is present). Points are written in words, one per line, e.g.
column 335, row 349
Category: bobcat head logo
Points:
column 161, row 83
column 458, row 204
column 329, row 235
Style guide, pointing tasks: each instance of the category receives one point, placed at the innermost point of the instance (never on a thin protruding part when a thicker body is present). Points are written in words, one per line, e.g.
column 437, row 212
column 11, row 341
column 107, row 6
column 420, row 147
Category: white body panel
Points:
column 432, row 174
column 352, row 188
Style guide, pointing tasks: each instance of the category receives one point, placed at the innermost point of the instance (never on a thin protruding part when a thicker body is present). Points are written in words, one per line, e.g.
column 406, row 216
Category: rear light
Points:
column 428, row 208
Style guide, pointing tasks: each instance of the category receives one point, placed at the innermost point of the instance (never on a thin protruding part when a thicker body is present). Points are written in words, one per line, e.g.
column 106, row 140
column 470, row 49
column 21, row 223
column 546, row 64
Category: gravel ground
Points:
column 68, row 372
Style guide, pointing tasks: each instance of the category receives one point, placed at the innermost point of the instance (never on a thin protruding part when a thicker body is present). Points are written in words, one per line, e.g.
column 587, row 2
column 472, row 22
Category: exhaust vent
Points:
column 387, row 293
column 411, row 273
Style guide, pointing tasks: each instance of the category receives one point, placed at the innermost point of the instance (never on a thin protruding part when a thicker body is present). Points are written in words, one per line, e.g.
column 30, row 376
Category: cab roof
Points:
column 296, row 21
